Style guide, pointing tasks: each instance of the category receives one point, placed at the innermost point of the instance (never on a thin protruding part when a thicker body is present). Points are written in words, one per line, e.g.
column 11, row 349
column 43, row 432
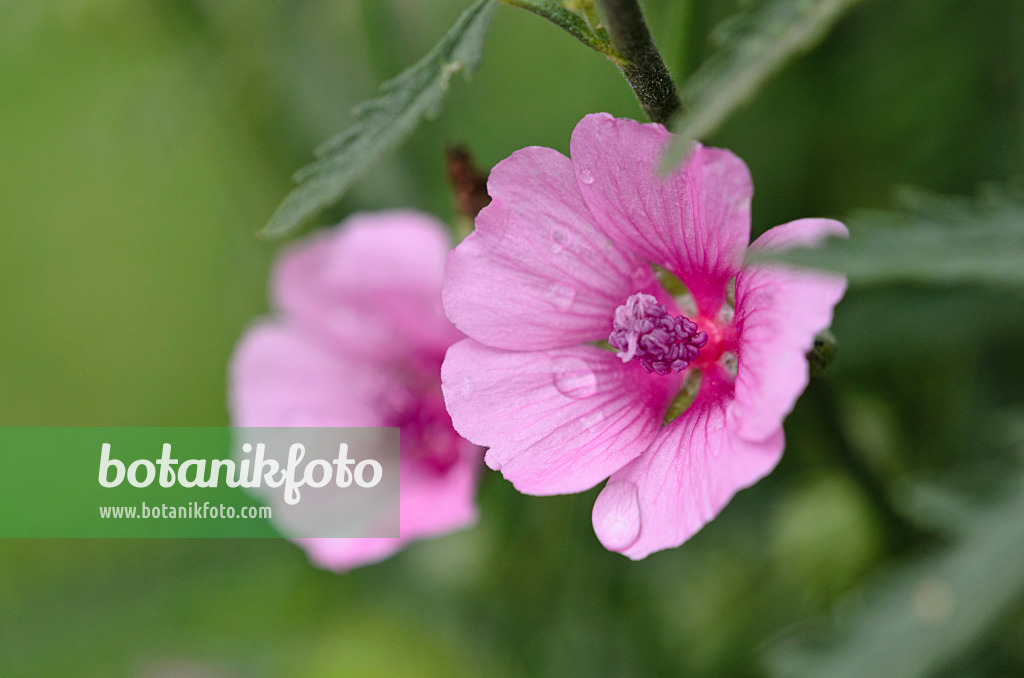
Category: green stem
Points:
column 643, row 69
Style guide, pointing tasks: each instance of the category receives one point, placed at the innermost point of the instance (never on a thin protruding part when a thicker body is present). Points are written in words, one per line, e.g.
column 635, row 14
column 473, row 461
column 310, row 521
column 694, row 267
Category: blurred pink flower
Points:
column 560, row 262
column 359, row 342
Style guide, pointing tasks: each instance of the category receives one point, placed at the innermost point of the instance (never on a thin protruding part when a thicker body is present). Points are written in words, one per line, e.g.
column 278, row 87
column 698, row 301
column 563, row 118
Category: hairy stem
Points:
column 642, row 64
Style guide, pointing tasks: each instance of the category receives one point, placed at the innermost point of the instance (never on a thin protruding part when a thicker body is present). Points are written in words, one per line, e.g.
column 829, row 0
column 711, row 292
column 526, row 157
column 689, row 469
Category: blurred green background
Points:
column 143, row 143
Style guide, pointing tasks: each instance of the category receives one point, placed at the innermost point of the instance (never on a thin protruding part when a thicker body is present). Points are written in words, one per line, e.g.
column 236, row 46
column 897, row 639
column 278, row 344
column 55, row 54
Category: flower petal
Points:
column 696, row 222
column 438, row 501
column 370, row 286
column 557, row 421
column 537, row 272
column 340, row 554
column 431, row 504
column 686, row 477
column 280, row 377
column 779, row 310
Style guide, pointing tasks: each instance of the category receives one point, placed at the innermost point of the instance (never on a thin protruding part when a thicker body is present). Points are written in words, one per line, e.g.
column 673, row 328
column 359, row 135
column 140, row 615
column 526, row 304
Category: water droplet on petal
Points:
column 573, row 378
column 586, row 176
column 559, row 295
column 617, row 519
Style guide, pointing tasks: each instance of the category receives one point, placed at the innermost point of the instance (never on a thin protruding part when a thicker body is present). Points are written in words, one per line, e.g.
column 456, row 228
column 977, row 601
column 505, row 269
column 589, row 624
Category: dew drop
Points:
column 559, row 295
column 573, row 378
column 617, row 519
column 586, row 176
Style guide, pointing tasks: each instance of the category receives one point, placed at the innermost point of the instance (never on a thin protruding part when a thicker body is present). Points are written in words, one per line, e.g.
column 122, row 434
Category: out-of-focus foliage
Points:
column 142, row 144
column 920, row 618
column 754, row 47
column 936, row 240
column 385, row 122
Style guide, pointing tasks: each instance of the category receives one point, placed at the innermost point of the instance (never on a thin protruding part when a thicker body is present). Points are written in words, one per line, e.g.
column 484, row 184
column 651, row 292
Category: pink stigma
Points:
column 643, row 329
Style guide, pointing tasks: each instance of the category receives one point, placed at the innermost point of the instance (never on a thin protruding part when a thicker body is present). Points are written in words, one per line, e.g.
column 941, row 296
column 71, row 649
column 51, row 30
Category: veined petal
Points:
column 779, row 310
column 556, row 421
column 684, row 479
column 537, row 272
column 371, row 286
column 695, row 222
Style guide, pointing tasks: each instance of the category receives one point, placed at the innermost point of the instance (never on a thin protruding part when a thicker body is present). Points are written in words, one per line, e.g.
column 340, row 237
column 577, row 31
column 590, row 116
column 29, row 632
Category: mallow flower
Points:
column 359, row 341
column 600, row 300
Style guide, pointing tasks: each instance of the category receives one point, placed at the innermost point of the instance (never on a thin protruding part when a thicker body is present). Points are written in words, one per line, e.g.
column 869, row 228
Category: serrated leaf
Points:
column 755, row 47
column 383, row 123
column 934, row 240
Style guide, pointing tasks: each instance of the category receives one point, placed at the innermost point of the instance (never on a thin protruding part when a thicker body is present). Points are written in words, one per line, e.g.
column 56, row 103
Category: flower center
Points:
column 428, row 440
column 643, row 329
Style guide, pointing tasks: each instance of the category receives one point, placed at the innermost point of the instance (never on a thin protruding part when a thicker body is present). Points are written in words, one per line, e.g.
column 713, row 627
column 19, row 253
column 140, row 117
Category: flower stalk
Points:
column 642, row 65
column 624, row 38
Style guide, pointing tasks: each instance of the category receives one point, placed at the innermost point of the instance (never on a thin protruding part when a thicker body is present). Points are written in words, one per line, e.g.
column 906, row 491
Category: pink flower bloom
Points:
column 560, row 262
column 359, row 342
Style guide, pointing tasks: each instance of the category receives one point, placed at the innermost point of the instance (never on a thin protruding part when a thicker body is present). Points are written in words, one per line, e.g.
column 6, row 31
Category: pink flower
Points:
column 359, row 342
column 560, row 263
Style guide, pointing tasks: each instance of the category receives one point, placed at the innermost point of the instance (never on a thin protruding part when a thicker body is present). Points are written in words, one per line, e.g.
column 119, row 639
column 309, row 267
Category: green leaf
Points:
column 383, row 123
column 755, row 47
column 571, row 22
column 914, row 621
column 934, row 240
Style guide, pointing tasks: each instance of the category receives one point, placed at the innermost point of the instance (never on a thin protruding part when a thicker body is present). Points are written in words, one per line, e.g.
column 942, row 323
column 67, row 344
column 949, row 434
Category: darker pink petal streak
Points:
column 695, row 222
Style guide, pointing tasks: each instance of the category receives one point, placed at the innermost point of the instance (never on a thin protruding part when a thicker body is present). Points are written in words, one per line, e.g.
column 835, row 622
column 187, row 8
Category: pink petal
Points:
column 556, row 421
column 686, row 477
column 280, row 377
column 371, row 285
column 431, row 504
column 696, row 222
column 538, row 273
column 800, row 233
column 341, row 554
column 435, row 502
column 779, row 311
column 362, row 345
